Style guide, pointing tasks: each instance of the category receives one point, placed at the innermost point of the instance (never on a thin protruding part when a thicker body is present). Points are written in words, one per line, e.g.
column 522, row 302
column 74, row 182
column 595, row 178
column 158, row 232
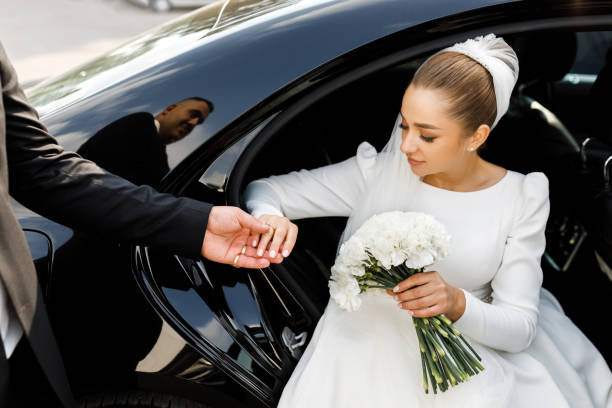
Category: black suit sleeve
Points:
column 66, row 188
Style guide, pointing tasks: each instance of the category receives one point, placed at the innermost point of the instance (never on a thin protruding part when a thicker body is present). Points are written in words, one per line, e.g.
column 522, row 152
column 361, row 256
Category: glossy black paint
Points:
column 265, row 54
column 179, row 283
column 191, row 327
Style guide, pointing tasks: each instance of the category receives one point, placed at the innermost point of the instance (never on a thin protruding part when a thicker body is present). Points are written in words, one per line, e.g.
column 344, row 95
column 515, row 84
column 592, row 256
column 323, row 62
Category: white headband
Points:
column 497, row 57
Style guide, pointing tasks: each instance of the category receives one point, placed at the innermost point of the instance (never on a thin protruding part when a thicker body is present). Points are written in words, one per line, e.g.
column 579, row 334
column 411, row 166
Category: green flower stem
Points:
column 431, row 336
column 419, row 337
column 459, row 357
column 444, row 320
column 455, row 346
column 475, row 363
column 381, row 287
column 405, row 271
column 442, row 332
column 432, row 378
column 390, row 279
column 404, row 268
column 396, row 274
column 459, row 374
column 456, row 363
column 425, row 381
column 382, row 279
column 449, row 370
column 444, row 372
column 434, row 384
column 464, row 356
column 470, row 347
column 470, row 358
column 433, row 368
column 461, row 348
column 452, row 365
column 438, row 368
column 429, row 355
column 457, row 333
column 445, row 381
column 461, row 369
column 402, row 273
column 377, row 280
column 430, row 346
column 426, row 356
column 459, row 354
column 464, row 353
column 411, row 271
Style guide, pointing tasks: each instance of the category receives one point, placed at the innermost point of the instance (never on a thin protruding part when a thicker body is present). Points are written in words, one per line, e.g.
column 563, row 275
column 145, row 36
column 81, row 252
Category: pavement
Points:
column 44, row 38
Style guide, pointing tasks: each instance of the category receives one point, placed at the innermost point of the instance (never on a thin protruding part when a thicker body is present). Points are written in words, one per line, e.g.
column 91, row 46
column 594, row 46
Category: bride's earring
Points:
column 471, row 149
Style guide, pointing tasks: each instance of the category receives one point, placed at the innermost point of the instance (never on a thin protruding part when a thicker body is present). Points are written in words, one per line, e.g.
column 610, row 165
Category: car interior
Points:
column 558, row 123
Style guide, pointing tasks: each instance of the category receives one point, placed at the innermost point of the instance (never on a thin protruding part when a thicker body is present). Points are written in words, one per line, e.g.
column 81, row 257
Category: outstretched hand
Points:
column 226, row 235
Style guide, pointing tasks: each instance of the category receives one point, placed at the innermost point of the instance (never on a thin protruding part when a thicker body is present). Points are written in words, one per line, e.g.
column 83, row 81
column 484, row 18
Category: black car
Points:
column 298, row 84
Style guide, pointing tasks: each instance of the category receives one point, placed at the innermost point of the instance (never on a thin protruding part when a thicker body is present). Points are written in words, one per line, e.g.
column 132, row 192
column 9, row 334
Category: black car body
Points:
column 299, row 84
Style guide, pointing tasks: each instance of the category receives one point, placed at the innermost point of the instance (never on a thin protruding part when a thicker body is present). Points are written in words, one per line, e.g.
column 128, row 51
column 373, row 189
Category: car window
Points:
column 591, row 52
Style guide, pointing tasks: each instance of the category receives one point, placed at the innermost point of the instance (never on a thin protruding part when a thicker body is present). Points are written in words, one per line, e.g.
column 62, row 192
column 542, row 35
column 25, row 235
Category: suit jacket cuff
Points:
column 188, row 230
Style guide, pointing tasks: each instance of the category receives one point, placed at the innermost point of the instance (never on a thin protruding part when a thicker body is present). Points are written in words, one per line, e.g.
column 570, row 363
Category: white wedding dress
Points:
column 533, row 355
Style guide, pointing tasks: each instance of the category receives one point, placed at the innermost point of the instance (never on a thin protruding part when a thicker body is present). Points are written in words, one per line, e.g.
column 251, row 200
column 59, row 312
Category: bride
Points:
column 490, row 283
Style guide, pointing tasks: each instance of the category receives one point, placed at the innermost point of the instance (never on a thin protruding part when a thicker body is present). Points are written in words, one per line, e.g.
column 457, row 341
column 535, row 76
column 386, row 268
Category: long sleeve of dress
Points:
column 508, row 323
column 325, row 191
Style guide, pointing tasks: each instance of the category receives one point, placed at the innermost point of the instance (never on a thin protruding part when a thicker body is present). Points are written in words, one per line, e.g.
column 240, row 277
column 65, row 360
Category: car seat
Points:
column 597, row 163
column 530, row 137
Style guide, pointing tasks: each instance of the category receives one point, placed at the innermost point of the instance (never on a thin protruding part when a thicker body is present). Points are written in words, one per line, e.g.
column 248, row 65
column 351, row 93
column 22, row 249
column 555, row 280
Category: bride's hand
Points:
column 280, row 238
column 426, row 294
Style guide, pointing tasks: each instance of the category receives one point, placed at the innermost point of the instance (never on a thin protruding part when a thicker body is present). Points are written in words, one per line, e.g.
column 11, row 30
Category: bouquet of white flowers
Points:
column 387, row 249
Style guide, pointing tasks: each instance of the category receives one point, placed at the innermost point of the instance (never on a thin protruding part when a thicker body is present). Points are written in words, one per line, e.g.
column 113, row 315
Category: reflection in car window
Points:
column 134, row 146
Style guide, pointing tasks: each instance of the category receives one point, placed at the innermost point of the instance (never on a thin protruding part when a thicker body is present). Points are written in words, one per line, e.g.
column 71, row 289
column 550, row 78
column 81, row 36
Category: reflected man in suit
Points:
column 134, row 146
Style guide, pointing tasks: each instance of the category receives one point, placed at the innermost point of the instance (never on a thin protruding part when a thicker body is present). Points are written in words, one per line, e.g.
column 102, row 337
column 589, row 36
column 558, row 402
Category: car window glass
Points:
column 135, row 146
column 591, row 52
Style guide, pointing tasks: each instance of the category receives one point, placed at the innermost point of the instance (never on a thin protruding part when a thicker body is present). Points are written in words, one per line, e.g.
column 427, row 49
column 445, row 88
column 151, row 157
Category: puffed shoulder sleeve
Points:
column 509, row 322
column 325, row 191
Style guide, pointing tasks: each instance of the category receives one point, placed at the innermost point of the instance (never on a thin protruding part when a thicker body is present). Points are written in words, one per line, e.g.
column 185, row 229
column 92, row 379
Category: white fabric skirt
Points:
column 370, row 358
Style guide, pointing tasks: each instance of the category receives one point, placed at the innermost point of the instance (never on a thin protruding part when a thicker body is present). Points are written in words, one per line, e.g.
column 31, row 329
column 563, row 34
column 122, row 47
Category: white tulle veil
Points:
column 389, row 182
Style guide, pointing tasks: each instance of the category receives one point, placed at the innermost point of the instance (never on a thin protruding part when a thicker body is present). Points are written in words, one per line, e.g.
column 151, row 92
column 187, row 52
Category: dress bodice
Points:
column 478, row 222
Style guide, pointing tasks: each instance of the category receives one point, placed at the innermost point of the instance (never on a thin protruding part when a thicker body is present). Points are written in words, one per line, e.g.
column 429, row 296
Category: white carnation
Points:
column 394, row 237
column 351, row 256
column 345, row 291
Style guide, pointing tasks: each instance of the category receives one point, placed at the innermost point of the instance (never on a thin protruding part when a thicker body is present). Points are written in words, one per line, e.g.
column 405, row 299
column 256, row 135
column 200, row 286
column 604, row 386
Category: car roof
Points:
column 234, row 53
column 249, row 35
column 374, row 18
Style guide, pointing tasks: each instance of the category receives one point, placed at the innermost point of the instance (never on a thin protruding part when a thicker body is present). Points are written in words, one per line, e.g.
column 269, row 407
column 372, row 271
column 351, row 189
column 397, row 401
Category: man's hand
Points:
column 226, row 235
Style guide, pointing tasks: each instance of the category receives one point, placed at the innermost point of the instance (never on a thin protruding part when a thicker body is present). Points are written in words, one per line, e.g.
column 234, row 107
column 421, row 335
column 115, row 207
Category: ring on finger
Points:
column 242, row 251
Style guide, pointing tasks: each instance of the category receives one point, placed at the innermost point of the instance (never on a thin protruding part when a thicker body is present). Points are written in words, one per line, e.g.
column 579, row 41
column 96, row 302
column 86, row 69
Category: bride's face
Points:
column 432, row 141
